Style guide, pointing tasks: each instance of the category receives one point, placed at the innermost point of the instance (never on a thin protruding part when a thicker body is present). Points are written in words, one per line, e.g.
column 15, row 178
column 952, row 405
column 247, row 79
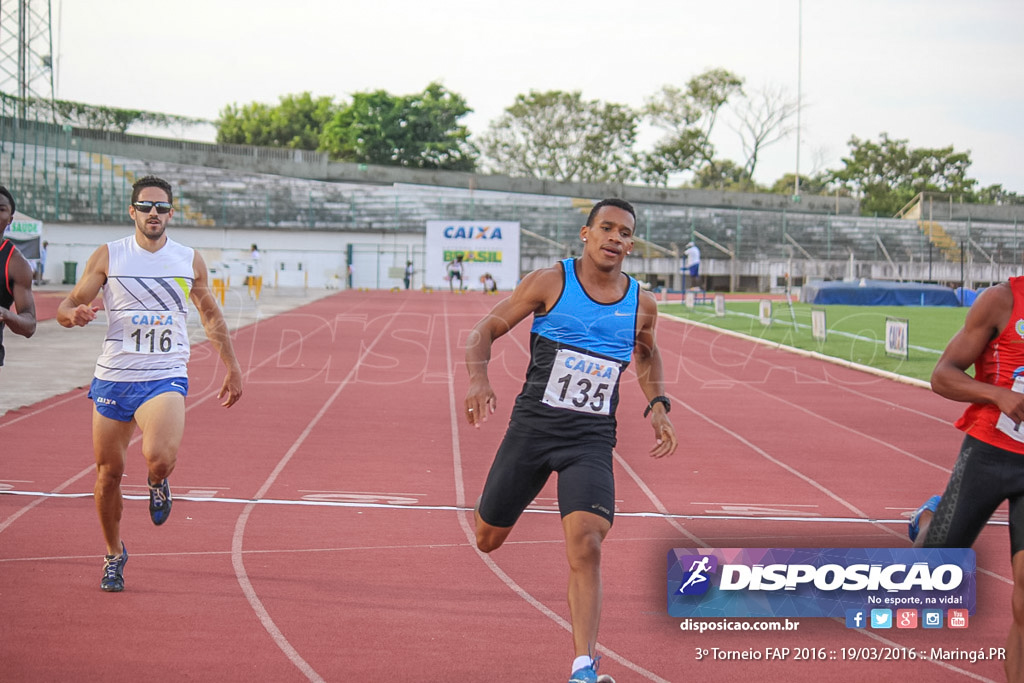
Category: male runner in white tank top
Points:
column 141, row 379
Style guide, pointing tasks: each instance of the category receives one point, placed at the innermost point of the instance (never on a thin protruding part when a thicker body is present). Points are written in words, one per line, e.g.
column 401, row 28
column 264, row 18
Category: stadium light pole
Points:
column 799, row 101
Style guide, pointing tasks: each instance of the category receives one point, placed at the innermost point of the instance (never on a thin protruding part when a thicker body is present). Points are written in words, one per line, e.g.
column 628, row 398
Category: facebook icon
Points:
column 856, row 618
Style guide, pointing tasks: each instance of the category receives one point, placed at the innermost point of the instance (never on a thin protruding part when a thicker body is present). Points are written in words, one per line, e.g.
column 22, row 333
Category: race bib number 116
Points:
column 581, row 382
column 150, row 332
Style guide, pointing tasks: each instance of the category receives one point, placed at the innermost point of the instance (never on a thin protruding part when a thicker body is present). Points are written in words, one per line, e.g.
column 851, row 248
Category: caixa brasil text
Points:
column 473, row 256
column 830, row 577
column 475, row 232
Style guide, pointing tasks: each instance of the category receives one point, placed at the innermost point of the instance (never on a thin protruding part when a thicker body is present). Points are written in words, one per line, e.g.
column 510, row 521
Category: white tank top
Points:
column 146, row 299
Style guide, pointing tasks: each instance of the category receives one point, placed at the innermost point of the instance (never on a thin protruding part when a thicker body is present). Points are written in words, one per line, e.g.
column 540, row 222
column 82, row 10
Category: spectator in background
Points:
column 691, row 265
column 408, row 274
column 42, row 263
column 489, row 284
column 16, row 288
column 254, row 256
column 455, row 268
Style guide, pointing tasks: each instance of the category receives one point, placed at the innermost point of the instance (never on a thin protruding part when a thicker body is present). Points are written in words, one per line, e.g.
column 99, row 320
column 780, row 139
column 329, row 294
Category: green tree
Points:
column 723, row 175
column 296, row 122
column 809, row 185
column 763, row 119
column 561, row 136
column 995, row 194
column 414, row 131
column 688, row 117
column 888, row 173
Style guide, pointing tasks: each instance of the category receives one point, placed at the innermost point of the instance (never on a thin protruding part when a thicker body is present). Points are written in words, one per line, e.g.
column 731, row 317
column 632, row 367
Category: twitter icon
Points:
column 881, row 618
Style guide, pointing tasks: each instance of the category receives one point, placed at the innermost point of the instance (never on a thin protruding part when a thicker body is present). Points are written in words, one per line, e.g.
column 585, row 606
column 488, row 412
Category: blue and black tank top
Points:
column 578, row 351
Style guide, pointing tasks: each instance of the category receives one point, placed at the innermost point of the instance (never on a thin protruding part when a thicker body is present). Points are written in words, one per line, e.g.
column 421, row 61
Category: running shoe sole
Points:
column 914, row 526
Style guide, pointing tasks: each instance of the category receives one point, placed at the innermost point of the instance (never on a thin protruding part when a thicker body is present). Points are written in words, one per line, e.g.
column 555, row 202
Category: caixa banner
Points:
column 817, row 582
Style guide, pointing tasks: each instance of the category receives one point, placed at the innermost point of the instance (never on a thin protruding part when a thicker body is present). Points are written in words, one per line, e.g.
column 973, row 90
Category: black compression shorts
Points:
column 523, row 464
column 983, row 477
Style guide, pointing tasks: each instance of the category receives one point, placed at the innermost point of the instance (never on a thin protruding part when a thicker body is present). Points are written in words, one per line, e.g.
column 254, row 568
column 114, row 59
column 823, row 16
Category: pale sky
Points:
column 935, row 73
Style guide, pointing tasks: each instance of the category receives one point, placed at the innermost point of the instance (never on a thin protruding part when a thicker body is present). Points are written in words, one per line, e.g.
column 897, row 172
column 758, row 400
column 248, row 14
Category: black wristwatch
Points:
column 658, row 399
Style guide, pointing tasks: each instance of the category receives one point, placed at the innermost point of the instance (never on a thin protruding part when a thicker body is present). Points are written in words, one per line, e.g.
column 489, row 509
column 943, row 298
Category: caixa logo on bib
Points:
column 816, row 582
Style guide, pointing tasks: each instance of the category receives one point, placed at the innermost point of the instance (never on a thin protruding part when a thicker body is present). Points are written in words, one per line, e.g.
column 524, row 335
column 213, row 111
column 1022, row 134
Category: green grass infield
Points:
column 852, row 333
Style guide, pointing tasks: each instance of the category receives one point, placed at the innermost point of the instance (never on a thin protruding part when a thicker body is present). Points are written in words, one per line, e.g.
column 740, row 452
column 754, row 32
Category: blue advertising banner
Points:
column 817, row 582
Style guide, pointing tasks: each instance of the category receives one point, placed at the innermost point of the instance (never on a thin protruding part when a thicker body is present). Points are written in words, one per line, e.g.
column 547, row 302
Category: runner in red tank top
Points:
column 16, row 286
column 990, row 467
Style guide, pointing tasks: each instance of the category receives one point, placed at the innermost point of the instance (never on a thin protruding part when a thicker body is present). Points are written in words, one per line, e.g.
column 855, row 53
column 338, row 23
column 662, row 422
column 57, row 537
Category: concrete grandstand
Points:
column 314, row 218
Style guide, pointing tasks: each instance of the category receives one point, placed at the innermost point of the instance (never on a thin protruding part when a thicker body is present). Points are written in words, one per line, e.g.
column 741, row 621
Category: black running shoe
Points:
column 113, row 571
column 159, row 502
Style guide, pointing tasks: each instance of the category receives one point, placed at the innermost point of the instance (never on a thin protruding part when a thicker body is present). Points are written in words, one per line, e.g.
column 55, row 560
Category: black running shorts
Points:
column 983, row 477
column 523, row 464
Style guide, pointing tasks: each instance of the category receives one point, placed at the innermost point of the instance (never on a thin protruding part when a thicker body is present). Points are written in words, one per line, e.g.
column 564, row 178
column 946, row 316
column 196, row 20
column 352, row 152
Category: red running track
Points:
column 321, row 528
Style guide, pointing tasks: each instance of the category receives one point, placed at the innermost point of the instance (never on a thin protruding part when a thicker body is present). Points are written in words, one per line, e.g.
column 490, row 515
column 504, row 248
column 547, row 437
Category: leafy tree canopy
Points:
column 889, row 173
column 296, row 122
column 559, row 135
column 415, row 131
column 688, row 116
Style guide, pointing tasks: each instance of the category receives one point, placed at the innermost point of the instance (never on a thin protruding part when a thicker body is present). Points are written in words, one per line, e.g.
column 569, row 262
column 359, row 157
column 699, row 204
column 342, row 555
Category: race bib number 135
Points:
column 581, row 382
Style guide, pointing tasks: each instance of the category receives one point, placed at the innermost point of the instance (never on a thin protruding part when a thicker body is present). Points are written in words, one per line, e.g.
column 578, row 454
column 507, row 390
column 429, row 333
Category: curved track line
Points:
column 76, row 393
column 460, row 496
column 18, row 513
column 829, row 421
column 191, row 405
column 257, row 605
column 237, row 554
column 649, row 493
column 658, row 505
column 902, row 379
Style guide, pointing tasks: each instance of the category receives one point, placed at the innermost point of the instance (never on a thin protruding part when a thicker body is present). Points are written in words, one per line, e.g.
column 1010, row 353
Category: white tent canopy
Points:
column 26, row 233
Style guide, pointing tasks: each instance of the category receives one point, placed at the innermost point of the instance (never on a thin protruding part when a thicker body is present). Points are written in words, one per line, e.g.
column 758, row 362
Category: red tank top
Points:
column 1000, row 364
column 6, row 292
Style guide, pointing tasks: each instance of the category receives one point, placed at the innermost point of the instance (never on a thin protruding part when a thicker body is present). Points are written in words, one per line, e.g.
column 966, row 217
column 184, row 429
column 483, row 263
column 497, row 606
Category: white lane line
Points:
column 237, row 554
column 661, row 513
column 460, row 497
column 191, row 405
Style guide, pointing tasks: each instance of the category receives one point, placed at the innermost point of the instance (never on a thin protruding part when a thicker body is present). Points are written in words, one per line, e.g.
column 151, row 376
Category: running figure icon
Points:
column 697, row 573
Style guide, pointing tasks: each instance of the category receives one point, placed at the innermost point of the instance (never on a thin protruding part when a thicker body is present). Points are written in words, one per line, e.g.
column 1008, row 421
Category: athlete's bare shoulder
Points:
column 541, row 287
column 996, row 301
column 648, row 302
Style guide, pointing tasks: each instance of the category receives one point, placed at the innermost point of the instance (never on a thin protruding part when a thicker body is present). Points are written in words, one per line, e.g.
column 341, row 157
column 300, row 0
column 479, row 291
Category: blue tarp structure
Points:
column 966, row 296
column 878, row 293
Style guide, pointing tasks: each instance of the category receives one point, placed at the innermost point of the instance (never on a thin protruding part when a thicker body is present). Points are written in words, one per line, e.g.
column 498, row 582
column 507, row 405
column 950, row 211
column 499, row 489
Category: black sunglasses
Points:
column 146, row 207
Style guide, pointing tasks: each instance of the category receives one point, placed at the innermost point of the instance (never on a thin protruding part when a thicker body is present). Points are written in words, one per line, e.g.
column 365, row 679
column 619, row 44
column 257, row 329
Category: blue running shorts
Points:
column 120, row 400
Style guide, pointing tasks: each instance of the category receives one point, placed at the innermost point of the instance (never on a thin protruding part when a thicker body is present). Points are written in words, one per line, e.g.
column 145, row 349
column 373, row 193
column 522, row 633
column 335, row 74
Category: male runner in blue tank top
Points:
column 141, row 378
column 16, row 282
column 590, row 319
